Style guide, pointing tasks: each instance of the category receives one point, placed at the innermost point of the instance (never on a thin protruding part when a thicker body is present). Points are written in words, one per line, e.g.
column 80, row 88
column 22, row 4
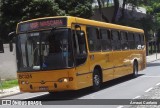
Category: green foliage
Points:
column 9, row 84
column 42, row 8
column 80, row 8
column 153, row 9
column 147, row 23
column 14, row 11
column 11, row 13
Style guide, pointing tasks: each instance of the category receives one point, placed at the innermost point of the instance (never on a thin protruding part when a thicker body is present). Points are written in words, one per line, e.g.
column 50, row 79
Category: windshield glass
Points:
column 44, row 50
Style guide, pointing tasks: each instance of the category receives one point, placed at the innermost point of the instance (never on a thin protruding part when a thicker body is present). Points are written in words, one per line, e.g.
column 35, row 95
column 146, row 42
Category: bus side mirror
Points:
column 81, row 37
column 1, row 47
column 11, row 36
column 77, row 26
column 80, row 34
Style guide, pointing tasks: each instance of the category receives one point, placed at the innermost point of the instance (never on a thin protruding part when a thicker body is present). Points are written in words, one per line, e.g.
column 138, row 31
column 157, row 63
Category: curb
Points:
column 10, row 95
column 153, row 61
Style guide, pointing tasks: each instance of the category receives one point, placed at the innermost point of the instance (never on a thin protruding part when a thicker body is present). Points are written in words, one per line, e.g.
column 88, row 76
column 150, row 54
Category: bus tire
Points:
column 135, row 69
column 96, row 80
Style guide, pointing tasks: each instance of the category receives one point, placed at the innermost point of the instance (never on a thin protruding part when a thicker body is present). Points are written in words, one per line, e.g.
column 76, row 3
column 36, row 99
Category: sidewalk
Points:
column 152, row 58
column 15, row 90
column 9, row 92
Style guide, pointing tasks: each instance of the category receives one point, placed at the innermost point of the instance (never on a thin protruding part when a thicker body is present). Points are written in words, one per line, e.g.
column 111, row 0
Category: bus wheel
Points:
column 96, row 80
column 135, row 69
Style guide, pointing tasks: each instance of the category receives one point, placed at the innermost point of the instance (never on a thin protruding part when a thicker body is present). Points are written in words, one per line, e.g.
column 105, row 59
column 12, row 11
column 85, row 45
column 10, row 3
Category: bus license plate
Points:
column 43, row 88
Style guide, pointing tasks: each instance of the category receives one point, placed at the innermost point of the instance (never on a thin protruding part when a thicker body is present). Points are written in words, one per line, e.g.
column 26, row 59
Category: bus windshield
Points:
column 44, row 50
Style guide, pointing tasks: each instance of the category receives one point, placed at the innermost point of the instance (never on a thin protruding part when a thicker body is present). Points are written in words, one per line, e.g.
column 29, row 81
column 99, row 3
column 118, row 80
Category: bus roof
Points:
column 107, row 25
column 89, row 22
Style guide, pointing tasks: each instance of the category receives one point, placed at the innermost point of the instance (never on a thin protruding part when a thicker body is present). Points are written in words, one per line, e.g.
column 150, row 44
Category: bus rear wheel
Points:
column 135, row 69
column 96, row 80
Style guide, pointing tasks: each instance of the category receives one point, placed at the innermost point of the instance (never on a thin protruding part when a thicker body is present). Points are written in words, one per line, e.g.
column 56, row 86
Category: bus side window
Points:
column 81, row 42
column 116, row 43
column 124, row 41
column 131, row 40
column 142, row 40
column 94, row 41
column 137, row 41
column 106, row 42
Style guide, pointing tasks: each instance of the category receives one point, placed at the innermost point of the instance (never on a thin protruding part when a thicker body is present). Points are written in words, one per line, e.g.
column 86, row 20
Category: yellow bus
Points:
column 70, row 53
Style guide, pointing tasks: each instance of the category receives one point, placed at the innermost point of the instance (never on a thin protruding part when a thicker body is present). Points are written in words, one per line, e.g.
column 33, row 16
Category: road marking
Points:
column 151, row 76
column 157, row 84
column 120, row 106
column 137, row 97
column 148, row 89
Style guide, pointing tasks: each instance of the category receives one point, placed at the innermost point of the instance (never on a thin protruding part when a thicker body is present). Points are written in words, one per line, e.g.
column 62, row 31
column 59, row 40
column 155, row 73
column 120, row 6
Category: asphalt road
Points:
column 122, row 88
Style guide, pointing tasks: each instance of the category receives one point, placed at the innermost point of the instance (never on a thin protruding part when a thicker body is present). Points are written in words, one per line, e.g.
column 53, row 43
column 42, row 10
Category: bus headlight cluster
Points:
column 67, row 79
column 24, row 82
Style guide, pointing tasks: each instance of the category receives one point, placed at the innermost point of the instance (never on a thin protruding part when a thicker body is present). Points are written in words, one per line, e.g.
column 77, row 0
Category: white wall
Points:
column 8, row 63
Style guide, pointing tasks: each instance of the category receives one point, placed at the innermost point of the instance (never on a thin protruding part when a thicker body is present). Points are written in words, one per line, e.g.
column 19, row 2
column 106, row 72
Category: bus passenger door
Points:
column 83, row 75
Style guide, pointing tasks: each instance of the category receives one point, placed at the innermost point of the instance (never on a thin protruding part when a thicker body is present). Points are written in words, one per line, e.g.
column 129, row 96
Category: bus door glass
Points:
column 81, row 58
column 79, row 47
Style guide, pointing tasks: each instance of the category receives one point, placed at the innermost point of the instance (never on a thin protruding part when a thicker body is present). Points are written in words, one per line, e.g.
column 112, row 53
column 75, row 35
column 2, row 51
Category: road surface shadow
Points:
column 153, row 64
column 69, row 95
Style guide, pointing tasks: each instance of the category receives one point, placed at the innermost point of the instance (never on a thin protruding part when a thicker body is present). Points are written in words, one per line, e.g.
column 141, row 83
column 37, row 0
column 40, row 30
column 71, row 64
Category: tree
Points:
column 116, row 7
column 79, row 8
column 11, row 13
column 14, row 11
column 134, row 3
column 123, row 10
column 153, row 8
column 100, row 6
column 42, row 8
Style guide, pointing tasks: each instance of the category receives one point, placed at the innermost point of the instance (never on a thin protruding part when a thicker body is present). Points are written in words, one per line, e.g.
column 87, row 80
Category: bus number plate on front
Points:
column 43, row 88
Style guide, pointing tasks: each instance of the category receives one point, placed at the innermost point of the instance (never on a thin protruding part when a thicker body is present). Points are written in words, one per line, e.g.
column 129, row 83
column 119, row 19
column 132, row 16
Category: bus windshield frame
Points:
column 44, row 50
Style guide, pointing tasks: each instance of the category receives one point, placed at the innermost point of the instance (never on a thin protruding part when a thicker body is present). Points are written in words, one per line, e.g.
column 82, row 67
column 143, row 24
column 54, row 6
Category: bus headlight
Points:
column 27, row 82
column 24, row 82
column 65, row 79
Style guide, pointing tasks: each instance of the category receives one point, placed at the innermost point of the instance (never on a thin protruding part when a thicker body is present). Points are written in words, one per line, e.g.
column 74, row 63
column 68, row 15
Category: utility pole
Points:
column 155, row 34
column 155, row 43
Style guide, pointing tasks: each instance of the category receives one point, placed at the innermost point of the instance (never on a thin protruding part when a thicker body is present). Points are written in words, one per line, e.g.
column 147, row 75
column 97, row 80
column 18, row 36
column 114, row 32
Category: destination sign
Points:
column 42, row 24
